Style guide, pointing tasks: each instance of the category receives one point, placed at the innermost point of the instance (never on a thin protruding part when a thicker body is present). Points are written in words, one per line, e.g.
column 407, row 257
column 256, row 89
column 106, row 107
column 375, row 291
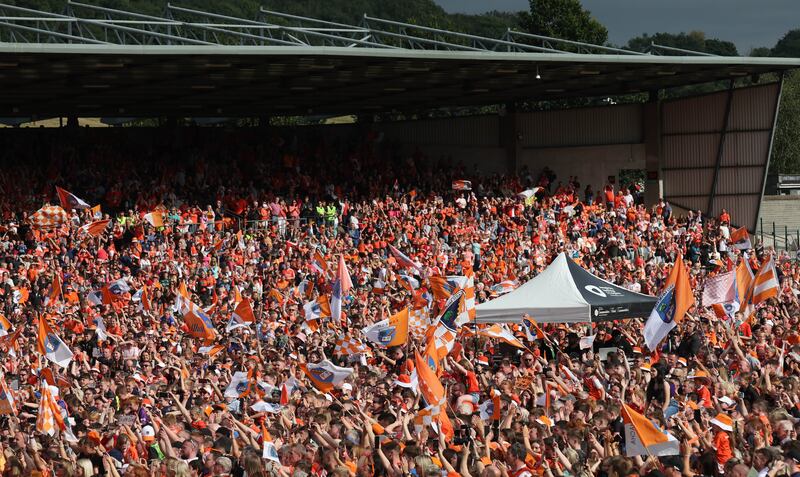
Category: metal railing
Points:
column 86, row 23
column 779, row 237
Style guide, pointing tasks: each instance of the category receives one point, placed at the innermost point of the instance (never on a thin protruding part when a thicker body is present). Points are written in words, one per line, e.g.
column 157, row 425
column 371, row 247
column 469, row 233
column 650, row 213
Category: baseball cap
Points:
column 148, row 434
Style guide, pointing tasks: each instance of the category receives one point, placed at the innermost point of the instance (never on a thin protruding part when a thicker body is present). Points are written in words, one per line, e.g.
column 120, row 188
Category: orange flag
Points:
column 145, row 299
column 743, row 279
column 95, row 228
column 643, row 437
column 684, row 298
column 199, row 324
column 242, row 316
column 429, row 384
column 156, row 219
column 9, row 342
column 675, row 300
column 55, row 290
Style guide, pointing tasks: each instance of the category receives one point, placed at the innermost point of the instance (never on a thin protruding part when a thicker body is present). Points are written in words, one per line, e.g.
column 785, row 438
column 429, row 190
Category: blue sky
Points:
column 747, row 23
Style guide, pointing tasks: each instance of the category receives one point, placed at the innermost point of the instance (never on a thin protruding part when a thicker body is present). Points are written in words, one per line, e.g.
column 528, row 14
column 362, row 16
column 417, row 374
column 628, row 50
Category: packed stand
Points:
column 302, row 307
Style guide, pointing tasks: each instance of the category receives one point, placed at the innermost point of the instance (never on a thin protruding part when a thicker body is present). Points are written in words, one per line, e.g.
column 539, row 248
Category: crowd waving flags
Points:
column 675, row 300
column 295, row 326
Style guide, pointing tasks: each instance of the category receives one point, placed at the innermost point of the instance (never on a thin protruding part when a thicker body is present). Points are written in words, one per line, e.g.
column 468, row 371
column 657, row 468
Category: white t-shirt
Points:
column 628, row 200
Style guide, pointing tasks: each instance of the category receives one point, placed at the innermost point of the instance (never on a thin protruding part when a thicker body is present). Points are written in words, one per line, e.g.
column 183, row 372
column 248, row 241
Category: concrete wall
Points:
column 784, row 212
column 592, row 164
column 592, row 143
column 487, row 160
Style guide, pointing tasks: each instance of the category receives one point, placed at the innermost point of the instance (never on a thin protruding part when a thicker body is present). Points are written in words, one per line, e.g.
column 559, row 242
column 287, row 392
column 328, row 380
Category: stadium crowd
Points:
column 127, row 350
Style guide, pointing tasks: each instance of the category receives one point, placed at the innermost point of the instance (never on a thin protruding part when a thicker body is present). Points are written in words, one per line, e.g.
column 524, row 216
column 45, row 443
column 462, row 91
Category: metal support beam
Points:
column 679, row 50
column 720, row 150
column 510, row 34
column 769, row 151
column 436, row 31
column 54, row 34
column 738, row 194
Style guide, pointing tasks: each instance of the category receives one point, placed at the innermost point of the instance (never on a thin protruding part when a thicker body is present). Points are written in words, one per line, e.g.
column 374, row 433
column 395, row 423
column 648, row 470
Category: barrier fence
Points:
column 779, row 237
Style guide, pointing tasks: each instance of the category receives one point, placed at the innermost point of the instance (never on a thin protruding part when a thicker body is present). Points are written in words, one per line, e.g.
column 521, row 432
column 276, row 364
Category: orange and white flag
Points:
column 318, row 262
column 765, row 283
column 211, row 351
column 643, row 437
column 20, row 295
column 269, row 452
column 672, row 305
column 51, row 346
column 740, row 239
column 49, row 418
column 69, row 200
column 491, row 408
column 8, row 343
column 341, row 285
column 94, row 228
column 242, row 316
column 7, row 402
column 469, row 300
column 325, row 375
column 347, row 346
column 390, row 332
column 744, row 278
column 54, row 292
column 532, row 329
column 155, row 218
column 419, row 320
column 462, row 185
column 501, row 332
column 5, row 325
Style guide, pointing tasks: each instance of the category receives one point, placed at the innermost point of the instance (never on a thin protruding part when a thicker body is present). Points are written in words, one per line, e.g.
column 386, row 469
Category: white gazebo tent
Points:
column 566, row 293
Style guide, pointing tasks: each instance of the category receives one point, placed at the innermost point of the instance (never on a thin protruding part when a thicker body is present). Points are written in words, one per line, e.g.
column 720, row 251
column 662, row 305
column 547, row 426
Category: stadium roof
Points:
column 93, row 61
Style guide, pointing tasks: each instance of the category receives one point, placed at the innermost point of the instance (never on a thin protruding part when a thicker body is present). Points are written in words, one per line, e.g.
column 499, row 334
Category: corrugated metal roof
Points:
column 694, row 115
column 696, row 150
column 684, row 182
column 743, row 208
column 740, row 180
column 745, row 149
column 753, row 108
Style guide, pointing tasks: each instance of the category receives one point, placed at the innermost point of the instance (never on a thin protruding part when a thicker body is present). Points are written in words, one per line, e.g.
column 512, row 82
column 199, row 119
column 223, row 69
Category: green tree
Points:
column 786, row 146
column 565, row 19
column 788, row 46
column 760, row 52
column 694, row 40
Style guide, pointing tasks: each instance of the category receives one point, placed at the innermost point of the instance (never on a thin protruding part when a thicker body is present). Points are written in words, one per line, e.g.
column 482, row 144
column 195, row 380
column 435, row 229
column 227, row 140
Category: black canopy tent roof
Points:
column 566, row 293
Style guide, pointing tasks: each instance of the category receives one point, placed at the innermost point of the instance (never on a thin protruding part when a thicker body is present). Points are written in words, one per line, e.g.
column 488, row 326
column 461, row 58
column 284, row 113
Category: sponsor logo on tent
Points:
column 596, row 290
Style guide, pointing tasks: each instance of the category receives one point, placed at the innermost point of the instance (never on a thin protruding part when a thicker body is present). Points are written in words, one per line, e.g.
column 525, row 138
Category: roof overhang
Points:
column 42, row 80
